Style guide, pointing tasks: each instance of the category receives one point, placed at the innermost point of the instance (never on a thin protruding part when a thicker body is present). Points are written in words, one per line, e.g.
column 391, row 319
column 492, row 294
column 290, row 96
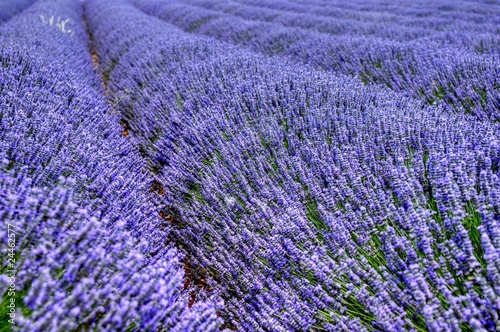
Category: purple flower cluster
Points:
column 261, row 165
column 400, row 21
column 314, row 201
column 74, row 274
column 91, row 252
column 430, row 59
column 56, row 122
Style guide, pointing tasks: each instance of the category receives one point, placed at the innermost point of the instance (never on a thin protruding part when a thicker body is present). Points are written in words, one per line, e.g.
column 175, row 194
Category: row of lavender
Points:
column 377, row 11
column 400, row 21
column 460, row 79
column 313, row 201
column 82, row 247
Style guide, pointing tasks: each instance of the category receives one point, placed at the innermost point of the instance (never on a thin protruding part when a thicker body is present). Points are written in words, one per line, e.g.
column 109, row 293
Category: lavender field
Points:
column 258, row 165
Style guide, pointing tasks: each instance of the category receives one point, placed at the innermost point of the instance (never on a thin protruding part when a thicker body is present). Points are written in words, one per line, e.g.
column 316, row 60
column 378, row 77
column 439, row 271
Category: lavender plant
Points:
column 318, row 165
column 314, row 201
column 74, row 274
column 92, row 251
column 401, row 21
column 56, row 121
column 460, row 80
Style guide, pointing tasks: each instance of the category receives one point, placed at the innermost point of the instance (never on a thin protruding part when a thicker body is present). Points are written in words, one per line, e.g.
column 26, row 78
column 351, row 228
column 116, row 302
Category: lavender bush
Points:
column 461, row 80
column 73, row 274
column 313, row 201
column 198, row 165
column 91, row 251
column 401, row 21
column 56, row 121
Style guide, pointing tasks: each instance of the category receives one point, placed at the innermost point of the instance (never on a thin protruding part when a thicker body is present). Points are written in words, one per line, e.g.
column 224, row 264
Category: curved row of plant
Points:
column 459, row 80
column 82, row 245
column 477, row 26
column 311, row 200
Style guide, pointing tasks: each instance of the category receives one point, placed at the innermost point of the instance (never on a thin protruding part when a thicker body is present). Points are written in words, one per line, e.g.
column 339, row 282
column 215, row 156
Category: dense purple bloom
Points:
column 314, row 165
column 439, row 67
column 312, row 199
column 78, row 275
column 90, row 252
